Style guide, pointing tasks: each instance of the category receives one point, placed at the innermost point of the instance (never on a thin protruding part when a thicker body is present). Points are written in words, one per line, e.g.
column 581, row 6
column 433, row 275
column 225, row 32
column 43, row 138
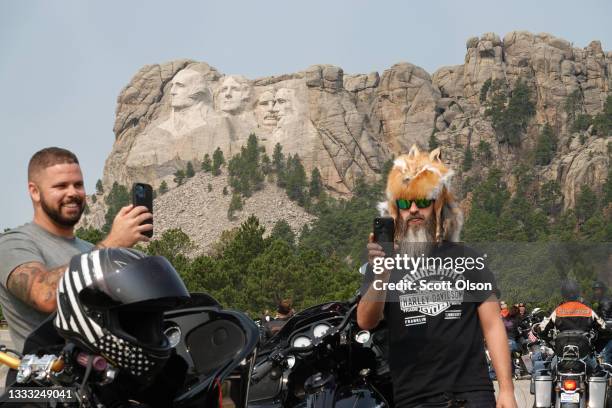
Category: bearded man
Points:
column 437, row 327
column 34, row 256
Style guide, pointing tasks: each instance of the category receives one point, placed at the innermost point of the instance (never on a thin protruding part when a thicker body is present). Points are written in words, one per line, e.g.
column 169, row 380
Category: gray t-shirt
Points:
column 30, row 243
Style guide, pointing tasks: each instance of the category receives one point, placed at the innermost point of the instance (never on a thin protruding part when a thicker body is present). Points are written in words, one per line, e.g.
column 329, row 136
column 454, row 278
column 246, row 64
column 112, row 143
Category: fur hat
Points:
column 422, row 175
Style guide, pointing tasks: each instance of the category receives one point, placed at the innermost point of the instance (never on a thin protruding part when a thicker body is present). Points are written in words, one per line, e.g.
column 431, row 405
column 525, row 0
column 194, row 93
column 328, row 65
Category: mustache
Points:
column 416, row 217
column 73, row 200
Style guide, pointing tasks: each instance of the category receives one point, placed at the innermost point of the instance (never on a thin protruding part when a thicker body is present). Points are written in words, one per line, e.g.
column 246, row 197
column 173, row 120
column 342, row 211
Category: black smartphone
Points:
column 384, row 233
column 384, row 229
column 142, row 194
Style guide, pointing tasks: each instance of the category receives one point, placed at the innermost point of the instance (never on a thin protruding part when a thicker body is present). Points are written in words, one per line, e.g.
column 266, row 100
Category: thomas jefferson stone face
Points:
column 187, row 88
column 232, row 95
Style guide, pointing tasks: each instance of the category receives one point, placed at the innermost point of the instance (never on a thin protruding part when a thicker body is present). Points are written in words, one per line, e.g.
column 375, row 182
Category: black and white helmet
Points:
column 111, row 302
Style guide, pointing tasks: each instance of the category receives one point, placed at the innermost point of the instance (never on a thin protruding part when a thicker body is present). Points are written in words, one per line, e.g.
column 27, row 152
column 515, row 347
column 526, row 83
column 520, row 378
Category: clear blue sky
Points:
column 63, row 63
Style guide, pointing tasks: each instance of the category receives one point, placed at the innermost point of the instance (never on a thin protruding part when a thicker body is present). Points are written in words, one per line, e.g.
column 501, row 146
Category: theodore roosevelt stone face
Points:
column 267, row 114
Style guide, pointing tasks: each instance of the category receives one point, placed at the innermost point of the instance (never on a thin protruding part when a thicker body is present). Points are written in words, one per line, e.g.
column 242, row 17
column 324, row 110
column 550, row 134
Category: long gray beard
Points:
column 416, row 241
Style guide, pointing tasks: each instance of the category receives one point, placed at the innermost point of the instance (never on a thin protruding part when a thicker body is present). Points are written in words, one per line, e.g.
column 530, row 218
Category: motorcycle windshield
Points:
column 330, row 308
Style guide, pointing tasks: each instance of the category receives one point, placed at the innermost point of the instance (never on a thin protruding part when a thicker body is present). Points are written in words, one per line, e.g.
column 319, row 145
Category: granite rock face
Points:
column 553, row 69
column 349, row 125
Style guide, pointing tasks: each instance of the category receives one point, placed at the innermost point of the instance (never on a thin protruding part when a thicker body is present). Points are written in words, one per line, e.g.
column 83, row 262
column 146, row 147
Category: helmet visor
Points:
column 145, row 281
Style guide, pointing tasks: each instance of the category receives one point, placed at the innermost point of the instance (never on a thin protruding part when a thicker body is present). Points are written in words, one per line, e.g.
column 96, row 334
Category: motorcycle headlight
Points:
column 301, row 342
column 173, row 334
column 290, row 361
column 362, row 337
column 320, row 329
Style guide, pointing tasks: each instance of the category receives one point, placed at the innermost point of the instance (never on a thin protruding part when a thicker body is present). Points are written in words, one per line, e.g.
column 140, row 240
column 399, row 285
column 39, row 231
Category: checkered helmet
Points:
column 111, row 303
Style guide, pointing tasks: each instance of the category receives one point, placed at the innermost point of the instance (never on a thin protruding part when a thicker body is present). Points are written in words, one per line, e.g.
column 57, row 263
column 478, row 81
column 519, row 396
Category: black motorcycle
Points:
column 575, row 381
column 321, row 359
column 213, row 350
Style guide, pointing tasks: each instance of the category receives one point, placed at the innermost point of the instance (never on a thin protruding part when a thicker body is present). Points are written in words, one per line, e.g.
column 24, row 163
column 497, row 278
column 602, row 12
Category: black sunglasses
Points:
column 406, row 204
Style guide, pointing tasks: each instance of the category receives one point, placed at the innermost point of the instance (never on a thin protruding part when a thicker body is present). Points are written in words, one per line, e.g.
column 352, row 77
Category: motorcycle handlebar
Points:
column 10, row 361
column 262, row 370
column 331, row 332
column 14, row 362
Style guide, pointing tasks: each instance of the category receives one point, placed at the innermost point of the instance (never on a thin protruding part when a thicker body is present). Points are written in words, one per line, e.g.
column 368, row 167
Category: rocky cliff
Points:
column 349, row 125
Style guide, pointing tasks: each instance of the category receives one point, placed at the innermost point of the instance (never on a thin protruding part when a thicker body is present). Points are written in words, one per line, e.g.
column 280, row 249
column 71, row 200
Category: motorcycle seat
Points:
column 578, row 339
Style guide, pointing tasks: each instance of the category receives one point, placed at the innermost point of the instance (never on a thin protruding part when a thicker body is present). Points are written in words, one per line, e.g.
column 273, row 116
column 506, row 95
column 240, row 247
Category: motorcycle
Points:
column 531, row 348
column 572, row 382
column 321, row 359
column 211, row 347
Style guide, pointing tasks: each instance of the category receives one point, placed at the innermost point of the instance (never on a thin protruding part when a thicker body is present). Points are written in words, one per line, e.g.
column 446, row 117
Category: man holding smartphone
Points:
column 436, row 327
column 34, row 256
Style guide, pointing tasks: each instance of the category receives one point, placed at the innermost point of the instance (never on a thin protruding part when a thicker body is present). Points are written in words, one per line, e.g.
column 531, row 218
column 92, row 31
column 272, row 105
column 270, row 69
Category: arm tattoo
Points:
column 34, row 284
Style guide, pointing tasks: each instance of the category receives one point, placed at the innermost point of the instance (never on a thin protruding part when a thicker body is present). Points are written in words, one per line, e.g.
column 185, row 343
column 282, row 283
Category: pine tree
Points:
column 94, row 198
column 235, row 205
column 99, row 187
column 278, row 164
column 509, row 115
column 225, row 192
column 573, row 104
column 484, row 90
column 266, row 164
column 209, row 187
column 163, row 187
column 550, row 195
column 586, row 203
column 467, row 159
column 282, row 231
column 206, row 163
column 90, row 234
column 607, row 189
column 602, row 122
column 546, row 146
column 218, row 161
column 117, row 198
column 316, row 185
column 484, row 151
column 190, row 172
column 244, row 172
column 295, row 182
column 179, row 177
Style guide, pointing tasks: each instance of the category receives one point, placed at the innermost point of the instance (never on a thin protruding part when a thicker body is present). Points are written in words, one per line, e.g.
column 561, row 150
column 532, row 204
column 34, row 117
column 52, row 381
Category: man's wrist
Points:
column 506, row 386
column 105, row 243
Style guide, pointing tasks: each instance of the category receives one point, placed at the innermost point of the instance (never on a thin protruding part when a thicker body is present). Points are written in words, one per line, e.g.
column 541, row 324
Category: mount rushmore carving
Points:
column 349, row 125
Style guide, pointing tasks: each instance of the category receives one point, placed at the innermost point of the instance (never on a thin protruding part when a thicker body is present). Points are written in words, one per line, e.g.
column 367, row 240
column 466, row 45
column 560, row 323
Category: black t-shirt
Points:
column 436, row 344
